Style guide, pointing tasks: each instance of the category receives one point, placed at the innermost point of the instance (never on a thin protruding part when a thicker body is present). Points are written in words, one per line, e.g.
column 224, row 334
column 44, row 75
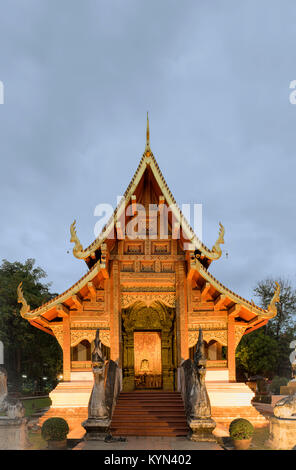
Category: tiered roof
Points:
column 198, row 260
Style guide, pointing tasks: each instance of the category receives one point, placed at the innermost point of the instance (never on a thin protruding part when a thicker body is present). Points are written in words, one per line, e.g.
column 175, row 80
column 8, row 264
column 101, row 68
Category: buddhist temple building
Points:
column 149, row 288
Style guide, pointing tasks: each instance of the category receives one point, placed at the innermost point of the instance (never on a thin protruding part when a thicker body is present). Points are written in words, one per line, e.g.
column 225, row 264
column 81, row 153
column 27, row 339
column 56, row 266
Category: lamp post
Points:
column 1, row 353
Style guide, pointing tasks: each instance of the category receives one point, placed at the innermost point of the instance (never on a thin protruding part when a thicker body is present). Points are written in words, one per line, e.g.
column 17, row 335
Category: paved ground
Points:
column 149, row 443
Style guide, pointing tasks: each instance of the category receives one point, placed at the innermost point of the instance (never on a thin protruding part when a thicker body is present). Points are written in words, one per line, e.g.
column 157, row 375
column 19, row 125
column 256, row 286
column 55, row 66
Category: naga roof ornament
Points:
column 268, row 313
column 78, row 248
column 216, row 251
column 21, row 300
column 272, row 309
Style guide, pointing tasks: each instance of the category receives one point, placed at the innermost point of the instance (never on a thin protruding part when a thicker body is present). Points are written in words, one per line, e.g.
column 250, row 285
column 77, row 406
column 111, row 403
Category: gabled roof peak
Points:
column 147, row 160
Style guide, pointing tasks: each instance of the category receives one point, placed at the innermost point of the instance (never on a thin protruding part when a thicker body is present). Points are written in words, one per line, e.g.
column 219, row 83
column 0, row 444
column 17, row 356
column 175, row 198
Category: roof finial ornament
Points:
column 147, row 148
column 21, row 299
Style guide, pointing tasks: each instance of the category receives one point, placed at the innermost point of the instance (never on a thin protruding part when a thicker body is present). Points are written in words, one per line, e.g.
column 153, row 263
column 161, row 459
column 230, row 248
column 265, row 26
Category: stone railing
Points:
column 196, row 401
column 113, row 385
column 107, row 386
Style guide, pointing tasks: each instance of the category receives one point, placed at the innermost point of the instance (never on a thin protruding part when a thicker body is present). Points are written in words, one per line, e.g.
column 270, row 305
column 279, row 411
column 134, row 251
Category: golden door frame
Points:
column 155, row 317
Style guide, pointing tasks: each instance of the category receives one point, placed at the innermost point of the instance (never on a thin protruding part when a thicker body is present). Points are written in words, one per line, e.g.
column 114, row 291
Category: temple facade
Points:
column 148, row 288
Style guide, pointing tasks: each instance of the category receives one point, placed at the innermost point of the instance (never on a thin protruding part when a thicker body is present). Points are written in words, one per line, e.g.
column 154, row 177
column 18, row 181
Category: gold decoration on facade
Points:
column 208, row 335
column 105, row 337
column 239, row 333
column 78, row 248
column 21, row 300
column 140, row 316
column 58, row 331
column 205, row 324
column 79, row 335
column 82, row 325
column 216, row 335
column 272, row 309
column 167, row 298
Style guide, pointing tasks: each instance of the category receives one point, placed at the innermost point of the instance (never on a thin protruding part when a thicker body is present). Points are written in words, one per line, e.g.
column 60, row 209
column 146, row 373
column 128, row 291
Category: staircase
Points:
column 149, row 413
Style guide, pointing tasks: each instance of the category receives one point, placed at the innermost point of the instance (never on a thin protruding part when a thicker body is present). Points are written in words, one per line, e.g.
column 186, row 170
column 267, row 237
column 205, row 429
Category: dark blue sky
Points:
column 79, row 78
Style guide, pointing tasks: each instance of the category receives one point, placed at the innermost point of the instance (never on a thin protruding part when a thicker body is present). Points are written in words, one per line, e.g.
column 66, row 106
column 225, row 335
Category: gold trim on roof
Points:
column 270, row 312
column 147, row 159
column 31, row 315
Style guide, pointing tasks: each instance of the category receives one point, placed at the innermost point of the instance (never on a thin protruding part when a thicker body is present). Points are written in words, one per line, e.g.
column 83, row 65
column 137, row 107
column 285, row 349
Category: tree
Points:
column 266, row 350
column 28, row 350
column 257, row 353
column 286, row 307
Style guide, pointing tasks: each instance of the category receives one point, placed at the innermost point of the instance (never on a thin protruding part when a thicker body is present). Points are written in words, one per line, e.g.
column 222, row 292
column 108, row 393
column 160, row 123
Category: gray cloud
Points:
column 214, row 76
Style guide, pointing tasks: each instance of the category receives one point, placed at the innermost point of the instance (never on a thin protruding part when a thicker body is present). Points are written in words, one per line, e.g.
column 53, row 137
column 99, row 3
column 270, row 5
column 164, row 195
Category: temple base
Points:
column 70, row 401
column 231, row 400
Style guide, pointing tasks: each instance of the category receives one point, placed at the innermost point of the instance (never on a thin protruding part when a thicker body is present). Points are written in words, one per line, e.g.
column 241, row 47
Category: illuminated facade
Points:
column 148, row 294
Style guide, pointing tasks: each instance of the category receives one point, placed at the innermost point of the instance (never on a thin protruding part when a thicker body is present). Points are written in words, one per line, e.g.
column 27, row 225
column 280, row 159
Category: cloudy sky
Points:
column 78, row 79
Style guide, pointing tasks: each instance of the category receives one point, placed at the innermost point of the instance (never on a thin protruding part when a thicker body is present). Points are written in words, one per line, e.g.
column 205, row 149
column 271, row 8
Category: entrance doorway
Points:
column 147, row 359
column 149, row 345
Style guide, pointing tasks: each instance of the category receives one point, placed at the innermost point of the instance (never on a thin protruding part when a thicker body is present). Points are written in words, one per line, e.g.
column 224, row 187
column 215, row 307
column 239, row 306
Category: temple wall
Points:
column 149, row 272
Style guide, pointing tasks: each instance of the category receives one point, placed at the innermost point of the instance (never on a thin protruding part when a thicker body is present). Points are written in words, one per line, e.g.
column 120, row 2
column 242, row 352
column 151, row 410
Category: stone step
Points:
column 149, row 432
column 149, row 414
column 149, row 406
column 149, row 424
column 148, row 419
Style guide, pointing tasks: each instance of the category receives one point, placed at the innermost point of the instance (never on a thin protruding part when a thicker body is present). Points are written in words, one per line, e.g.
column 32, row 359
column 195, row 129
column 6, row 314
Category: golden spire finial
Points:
column 147, row 148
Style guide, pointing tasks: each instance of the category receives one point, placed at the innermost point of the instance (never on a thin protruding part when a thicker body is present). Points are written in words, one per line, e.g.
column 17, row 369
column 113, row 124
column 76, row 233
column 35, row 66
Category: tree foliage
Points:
column 286, row 307
column 28, row 350
column 257, row 354
column 266, row 351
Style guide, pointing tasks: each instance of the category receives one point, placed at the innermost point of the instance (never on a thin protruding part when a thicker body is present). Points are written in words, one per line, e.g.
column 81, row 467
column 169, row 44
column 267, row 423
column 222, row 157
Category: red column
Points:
column 66, row 349
column 181, row 313
column 231, row 349
column 115, row 321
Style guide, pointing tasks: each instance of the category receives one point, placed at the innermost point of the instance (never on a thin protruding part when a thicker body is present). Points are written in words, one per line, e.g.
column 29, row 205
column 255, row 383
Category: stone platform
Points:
column 231, row 400
column 70, row 401
column 282, row 433
column 228, row 401
column 13, row 434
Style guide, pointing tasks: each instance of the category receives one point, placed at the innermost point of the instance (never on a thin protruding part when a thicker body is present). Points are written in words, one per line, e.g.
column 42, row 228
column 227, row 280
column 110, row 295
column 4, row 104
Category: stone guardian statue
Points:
column 200, row 421
column 99, row 419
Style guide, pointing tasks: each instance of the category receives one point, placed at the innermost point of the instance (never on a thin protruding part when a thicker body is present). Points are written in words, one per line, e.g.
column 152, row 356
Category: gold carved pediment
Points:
column 58, row 332
column 208, row 335
column 148, row 298
column 141, row 316
column 79, row 335
column 239, row 332
column 219, row 335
